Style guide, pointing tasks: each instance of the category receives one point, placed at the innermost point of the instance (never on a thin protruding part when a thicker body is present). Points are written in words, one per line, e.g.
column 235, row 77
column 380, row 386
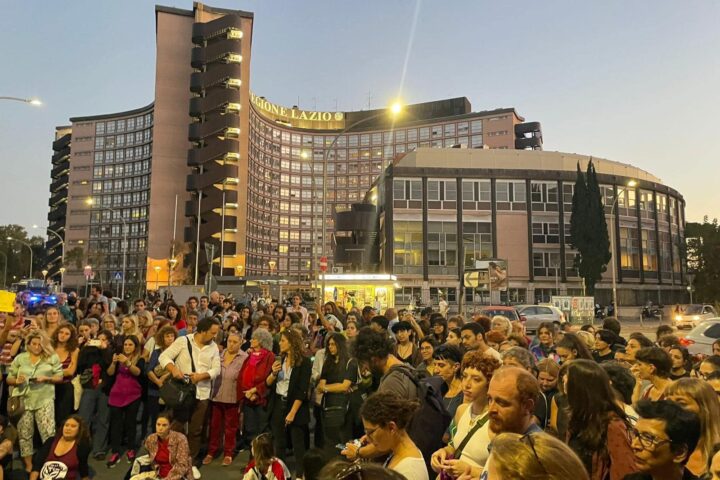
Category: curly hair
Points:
column 72, row 343
column 370, row 344
column 297, row 347
column 483, row 363
column 160, row 336
column 381, row 408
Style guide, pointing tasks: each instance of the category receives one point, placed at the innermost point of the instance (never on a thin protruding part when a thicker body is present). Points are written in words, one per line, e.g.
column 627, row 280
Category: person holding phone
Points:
column 289, row 409
column 34, row 374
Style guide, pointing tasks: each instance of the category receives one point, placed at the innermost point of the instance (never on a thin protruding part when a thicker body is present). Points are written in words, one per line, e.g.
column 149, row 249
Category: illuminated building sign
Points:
column 294, row 117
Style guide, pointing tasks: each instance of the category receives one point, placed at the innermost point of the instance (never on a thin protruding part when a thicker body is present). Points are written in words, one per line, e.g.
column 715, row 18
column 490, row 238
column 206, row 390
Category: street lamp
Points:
column 62, row 250
column 395, row 109
column 44, row 274
column 629, row 184
column 32, row 101
column 157, row 277
column 172, row 262
column 90, row 202
column 239, row 269
column 29, row 248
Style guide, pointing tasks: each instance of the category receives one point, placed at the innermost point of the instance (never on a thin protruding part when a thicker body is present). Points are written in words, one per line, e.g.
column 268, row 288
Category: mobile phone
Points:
column 94, row 343
column 27, row 322
column 341, row 446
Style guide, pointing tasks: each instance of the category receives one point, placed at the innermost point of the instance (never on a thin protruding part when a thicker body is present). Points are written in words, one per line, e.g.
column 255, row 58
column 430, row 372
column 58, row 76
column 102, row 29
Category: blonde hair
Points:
column 538, row 455
column 505, row 321
column 47, row 348
column 105, row 318
column 136, row 332
column 587, row 338
column 707, row 400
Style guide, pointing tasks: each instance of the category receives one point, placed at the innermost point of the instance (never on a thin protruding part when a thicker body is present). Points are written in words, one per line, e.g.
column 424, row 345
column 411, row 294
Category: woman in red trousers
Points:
column 225, row 415
column 252, row 389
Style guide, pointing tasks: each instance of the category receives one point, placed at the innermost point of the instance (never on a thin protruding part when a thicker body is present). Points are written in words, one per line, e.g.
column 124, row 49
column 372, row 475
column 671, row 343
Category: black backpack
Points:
column 432, row 419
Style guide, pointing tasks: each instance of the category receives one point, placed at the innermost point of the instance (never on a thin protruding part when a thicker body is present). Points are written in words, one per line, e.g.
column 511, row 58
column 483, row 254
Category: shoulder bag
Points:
column 180, row 393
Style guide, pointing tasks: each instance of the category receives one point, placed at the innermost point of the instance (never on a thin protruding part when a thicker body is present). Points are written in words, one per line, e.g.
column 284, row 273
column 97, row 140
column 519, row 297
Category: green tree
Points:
column 18, row 255
column 704, row 247
column 75, row 258
column 588, row 228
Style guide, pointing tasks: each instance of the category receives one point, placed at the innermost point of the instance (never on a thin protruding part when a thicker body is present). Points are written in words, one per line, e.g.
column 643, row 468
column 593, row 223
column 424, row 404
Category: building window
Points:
column 544, row 196
column 407, row 247
column 441, row 191
column 629, row 248
column 510, row 195
column 407, row 189
column 442, row 247
column 649, row 246
column 477, row 242
column 100, row 128
column 546, row 264
column 546, row 232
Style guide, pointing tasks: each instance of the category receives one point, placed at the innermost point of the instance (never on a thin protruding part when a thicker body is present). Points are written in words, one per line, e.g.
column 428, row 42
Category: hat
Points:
column 402, row 325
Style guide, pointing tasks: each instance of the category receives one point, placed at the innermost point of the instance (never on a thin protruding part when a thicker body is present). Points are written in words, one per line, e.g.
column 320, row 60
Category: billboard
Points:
column 487, row 274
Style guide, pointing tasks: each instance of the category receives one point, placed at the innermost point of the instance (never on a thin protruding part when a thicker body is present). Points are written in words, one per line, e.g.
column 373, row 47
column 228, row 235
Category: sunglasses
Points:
column 527, row 439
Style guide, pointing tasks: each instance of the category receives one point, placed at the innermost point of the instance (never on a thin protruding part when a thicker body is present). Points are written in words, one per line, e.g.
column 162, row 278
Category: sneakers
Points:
column 207, row 460
column 227, row 461
column 114, row 459
column 196, row 473
column 130, row 456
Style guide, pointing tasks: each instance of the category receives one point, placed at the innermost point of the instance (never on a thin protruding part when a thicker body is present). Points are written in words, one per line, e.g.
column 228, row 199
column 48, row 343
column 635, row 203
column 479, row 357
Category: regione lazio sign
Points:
column 296, row 117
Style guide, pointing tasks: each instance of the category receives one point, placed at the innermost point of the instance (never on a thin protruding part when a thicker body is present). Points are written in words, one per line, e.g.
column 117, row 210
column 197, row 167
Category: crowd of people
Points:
column 318, row 392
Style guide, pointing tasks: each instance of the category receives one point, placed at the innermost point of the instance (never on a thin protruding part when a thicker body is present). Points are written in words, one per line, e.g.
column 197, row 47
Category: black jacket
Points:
column 90, row 356
column 297, row 390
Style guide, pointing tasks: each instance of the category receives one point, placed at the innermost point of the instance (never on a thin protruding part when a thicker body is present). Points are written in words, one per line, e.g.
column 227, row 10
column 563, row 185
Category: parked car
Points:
column 700, row 339
column 692, row 315
column 510, row 312
column 537, row 314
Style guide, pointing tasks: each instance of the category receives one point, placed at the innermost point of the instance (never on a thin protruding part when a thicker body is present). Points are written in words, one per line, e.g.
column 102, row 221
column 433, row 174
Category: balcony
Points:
column 61, row 142
column 58, row 197
column 60, row 155
column 212, row 198
column 216, row 150
column 215, row 174
column 61, row 167
column 59, row 183
column 202, row 32
column 216, row 51
column 215, row 100
column 215, row 75
column 57, row 213
column 217, row 125
column 533, row 143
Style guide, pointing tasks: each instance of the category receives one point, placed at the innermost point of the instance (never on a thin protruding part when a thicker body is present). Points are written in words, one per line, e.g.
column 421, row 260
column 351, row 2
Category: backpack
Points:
column 432, row 419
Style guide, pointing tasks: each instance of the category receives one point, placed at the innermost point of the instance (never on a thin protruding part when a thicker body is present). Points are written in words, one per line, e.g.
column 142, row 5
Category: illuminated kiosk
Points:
column 360, row 289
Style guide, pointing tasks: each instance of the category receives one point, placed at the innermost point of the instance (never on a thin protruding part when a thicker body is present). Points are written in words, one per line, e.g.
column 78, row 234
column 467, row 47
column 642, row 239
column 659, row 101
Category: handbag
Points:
column 445, row 475
column 180, row 393
column 16, row 402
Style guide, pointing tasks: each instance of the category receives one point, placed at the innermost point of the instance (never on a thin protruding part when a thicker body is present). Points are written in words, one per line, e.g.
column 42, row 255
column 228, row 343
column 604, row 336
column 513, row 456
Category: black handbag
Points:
column 180, row 393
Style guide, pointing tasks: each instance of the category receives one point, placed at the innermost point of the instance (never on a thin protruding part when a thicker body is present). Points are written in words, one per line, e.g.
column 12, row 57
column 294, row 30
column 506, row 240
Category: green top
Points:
column 38, row 394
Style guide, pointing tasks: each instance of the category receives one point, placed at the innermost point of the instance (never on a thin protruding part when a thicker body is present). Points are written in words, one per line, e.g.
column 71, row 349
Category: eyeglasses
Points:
column 371, row 432
column 527, row 439
column 647, row 441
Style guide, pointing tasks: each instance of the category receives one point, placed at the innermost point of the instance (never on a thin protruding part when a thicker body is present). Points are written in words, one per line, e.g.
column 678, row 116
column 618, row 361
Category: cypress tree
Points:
column 597, row 254
column 579, row 212
column 588, row 228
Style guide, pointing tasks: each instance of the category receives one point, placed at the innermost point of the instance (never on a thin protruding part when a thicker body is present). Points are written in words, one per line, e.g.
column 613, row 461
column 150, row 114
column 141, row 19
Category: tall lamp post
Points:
column 395, row 109
column 32, row 101
column 171, row 266
column 157, row 269
column 90, row 202
column 629, row 184
column 11, row 239
column 62, row 252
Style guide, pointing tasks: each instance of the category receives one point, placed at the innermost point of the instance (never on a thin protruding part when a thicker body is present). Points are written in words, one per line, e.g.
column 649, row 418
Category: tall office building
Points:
column 208, row 162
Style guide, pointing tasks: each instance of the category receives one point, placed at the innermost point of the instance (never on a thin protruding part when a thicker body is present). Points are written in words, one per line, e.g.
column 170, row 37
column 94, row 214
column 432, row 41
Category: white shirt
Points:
column 207, row 360
column 303, row 313
column 412, row 468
